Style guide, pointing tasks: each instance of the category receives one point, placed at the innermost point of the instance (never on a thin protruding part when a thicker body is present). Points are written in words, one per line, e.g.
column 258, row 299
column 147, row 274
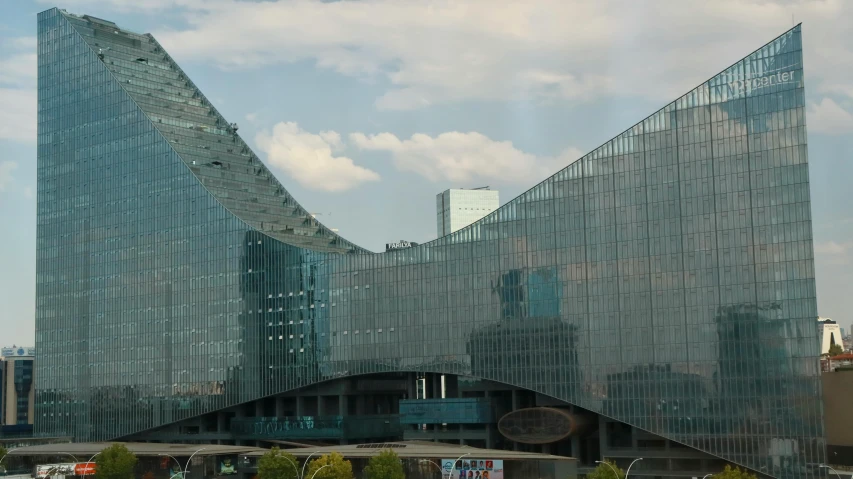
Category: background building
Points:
column 17, row 393
column 830, row 334
column 458, row 208
column 653, row 299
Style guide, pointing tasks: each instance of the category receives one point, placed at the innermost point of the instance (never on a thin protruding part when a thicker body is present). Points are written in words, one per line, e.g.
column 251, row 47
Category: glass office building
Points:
column 177, row 277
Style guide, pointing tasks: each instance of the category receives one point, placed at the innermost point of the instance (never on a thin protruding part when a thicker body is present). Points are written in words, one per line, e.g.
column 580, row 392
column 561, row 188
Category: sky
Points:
column 365, row 110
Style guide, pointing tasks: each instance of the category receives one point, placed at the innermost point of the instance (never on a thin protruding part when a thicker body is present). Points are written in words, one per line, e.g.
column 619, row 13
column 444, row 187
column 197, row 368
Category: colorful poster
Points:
column 468, row 468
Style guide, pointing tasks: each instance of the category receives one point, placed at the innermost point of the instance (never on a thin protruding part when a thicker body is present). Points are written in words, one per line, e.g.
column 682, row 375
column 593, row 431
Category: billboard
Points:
column 473, row 468
column 66, row 469
column 16, row 351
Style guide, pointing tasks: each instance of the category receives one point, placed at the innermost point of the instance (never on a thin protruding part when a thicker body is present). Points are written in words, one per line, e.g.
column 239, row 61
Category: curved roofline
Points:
column 503, row 206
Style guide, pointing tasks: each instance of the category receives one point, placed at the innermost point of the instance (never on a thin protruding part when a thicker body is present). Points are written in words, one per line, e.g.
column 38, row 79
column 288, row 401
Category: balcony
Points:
column 447, row 411
column 318, row 427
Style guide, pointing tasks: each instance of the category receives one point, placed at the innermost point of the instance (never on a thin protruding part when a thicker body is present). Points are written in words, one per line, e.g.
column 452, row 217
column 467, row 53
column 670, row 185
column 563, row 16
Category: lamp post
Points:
column 4, row 457
column 69, row 454
column 706, row 476
column 454, row 464
column 615, row 474
column 187, row 468
column 90, row 459
column 824, row 466
column 302, row 474
column 180, row 469
column 318, row 470
column 295, row 467
column 440, row 470
column 629, row 466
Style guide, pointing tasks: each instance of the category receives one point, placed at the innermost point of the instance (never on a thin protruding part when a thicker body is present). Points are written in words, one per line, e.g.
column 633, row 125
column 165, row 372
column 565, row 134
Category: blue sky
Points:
column 366, row 109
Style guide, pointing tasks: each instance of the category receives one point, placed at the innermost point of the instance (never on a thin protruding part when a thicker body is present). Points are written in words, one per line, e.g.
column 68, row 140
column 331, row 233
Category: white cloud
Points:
column 6, row 169
column 828, row 117
column 25, row 43
column 464, row 157
column 18, row 69
column 436, row 51
column 18, row 114
column 18, row 90
column 833, row 252
column 310, row 159
column 28, row 192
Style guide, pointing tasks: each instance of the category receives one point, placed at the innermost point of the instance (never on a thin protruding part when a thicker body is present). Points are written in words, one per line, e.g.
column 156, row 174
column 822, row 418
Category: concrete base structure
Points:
column 377, row 408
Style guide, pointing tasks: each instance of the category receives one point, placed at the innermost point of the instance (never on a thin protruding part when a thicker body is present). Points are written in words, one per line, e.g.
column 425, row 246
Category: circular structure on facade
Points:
column 538, row 425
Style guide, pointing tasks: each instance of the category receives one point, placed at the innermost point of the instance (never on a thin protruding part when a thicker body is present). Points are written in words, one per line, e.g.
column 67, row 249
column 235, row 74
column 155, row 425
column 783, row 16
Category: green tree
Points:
column 339, row 468
column 277, row 464
column 733, row 473
column 115, row 462
column 835, row 350
column 386, row 465
column 605, row 471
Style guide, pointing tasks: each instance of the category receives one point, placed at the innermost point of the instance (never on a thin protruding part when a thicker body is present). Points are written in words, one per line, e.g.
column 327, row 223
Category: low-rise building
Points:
column 17, row 394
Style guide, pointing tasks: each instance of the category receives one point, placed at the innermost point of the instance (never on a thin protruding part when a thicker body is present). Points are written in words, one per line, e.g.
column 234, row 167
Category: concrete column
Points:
column 321, row 406
column 221, row 422
column 279, row 406
column 411, row 386
column 360, row 401
column 435, row 386
column 300, row 405
column 343, row 405
column 576, row 447
column 451, row 386
column 602, row 438
column 259, row 408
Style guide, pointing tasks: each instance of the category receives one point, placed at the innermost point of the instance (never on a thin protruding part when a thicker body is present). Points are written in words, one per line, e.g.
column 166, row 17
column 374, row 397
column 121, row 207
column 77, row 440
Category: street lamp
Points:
column 449, row 473
column 629, row 466
column 69, row 454
column 824, row 466
column 295, row 467
column 180, row 469
column 90, row 460
column 440, row 470
column 706, row 476
column 4, row 457
column 615, row 474
column 302, row 474
column 318, row 470
column 187, row 468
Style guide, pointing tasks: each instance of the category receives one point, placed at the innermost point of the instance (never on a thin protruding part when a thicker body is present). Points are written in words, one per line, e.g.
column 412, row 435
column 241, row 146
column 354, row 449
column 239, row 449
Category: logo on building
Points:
column 402, row 244
column 17, row 351
column 740, row 86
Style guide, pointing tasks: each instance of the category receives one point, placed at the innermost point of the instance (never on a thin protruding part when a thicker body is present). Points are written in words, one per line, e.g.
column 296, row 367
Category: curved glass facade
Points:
column 666, row 279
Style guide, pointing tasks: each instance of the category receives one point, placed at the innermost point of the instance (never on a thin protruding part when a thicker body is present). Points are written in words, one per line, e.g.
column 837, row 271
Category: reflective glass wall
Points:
column 666, row 279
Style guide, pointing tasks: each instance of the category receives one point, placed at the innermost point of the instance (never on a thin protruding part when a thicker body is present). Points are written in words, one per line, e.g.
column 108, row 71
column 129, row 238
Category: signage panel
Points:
column 473, row 468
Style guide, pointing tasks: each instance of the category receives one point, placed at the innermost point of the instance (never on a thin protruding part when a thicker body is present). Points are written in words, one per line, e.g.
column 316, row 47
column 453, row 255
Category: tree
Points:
column 277, row 464
column 387, row 465
column 733, row 473
column 339, row 468
column 115, row 462
column 605, row 471
column 835, row 350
